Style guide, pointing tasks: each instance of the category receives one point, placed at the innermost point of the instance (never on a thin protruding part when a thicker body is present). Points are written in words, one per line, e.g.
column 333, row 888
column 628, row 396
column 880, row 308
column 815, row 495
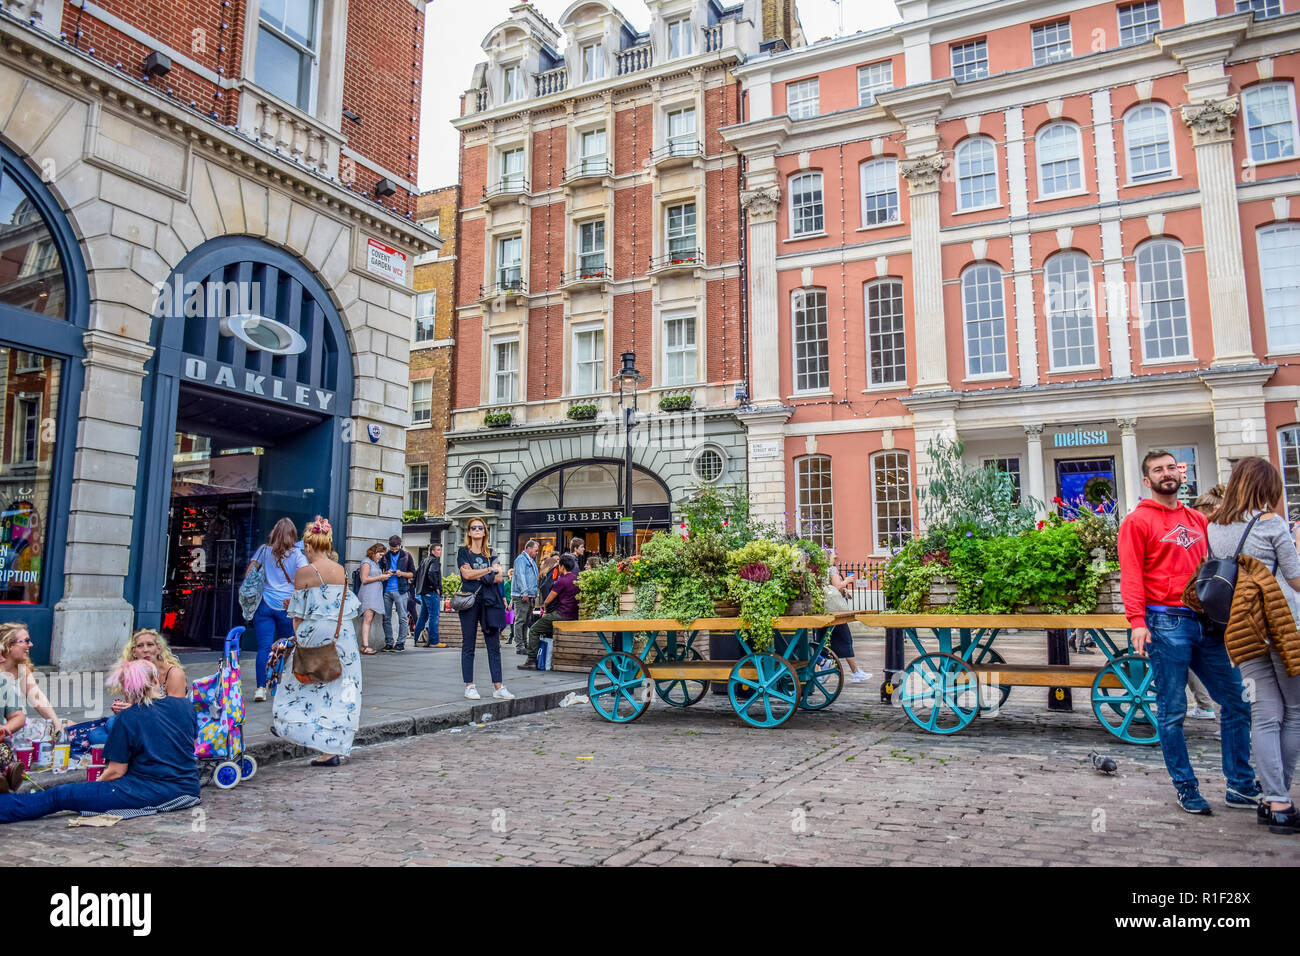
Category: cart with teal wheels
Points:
column 765, row 687
column 960, row 676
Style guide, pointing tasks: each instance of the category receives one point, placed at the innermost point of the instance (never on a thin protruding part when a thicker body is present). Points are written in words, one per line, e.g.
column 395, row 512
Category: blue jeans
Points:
column 430, row 611
column 269, row 624
column 98, row 797
column 1179, row 643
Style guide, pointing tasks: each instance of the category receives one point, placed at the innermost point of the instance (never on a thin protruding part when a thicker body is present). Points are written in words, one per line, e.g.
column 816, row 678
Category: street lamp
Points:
column 628, row 378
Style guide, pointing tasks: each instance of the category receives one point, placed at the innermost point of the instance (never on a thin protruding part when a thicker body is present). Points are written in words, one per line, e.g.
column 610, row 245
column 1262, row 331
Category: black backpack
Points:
column 1216, row 580
column 356, row 579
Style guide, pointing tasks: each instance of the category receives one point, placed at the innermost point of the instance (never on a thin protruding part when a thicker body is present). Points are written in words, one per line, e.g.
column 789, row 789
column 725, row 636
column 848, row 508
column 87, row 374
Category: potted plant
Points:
column 412, row 514
column 583, row 413
column 497, row 419
column 769, row 578
column 675, row 403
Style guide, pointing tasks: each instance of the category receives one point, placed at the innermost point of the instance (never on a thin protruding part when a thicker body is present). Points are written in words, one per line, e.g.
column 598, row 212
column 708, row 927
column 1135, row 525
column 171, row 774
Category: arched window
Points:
column 807, row 211
column 886, row 341
column 1071, row 329
column 977, row 173
column 31, row 272
column 891, row 500
column 815, row 513
column 1162, row 294
column 879, row 192
column 1270, row 121
column 1279, row 277
column 1060, row 164
column 1147, row 142
column 984, row 318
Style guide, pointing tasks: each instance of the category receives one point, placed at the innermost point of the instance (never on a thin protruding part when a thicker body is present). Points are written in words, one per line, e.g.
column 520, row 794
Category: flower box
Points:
column 582, row 413
column 943, row 592
column 1109, row 599
column 497, row 419
column 675, row 403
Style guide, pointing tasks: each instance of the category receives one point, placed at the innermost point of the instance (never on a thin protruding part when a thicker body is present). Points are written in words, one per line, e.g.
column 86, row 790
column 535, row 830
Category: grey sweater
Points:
column 1270, row 541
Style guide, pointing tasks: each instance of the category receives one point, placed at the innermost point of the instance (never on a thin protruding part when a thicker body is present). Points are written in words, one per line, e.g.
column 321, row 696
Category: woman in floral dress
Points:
column 321, row 716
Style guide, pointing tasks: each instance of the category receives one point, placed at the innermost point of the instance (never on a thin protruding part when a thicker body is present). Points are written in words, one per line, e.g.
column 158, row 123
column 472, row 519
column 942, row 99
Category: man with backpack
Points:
column 1161, row 544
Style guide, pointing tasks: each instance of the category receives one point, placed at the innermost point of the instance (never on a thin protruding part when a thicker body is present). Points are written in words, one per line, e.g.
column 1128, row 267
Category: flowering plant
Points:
column 757, row 571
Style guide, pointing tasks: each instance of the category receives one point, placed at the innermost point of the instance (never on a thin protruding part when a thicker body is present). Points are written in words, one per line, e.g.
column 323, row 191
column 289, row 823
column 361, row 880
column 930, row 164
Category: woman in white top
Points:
column 282, row 561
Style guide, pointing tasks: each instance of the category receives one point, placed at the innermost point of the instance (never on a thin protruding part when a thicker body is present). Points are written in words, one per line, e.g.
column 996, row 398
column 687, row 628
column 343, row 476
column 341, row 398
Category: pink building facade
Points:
column 1065, row 233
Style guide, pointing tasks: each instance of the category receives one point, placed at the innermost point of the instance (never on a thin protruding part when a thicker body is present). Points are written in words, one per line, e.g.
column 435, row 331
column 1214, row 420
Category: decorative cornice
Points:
column 761, row 204
column 1211, row 121
column 923, row 174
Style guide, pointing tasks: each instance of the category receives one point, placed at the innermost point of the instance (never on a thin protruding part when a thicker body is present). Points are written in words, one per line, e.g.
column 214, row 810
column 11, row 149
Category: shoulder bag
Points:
column 321, row 665
column 1216, row 580
column 464, row 600
column 250, row 591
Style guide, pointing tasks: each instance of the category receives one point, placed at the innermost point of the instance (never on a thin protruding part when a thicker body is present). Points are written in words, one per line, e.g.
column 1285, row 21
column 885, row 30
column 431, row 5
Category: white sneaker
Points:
column 863, row 674
column 1200, row 713
column 261, row 694
column 472, row 693
column 502, row 694
column 859, row 677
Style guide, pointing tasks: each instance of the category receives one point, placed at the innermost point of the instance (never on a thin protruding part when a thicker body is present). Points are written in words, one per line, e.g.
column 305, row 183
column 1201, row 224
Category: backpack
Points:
column 1216, row 580
column 356, row 579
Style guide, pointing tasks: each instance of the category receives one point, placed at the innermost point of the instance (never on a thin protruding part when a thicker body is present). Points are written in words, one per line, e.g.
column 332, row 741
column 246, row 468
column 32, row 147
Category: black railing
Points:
column 869, row 594
column 589, row 168
column 683, row 257
column 678, row 149
column 589, row 273
column 506, row 187
column 505, row 287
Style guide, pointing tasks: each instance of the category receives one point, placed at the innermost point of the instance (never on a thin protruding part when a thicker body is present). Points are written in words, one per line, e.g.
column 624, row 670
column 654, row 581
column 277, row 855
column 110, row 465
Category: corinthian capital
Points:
column 923, row 174
column 761, row 204
column 1210, row 120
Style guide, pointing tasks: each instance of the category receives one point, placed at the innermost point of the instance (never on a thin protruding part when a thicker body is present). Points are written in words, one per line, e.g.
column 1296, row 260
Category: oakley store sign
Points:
column 263, row 386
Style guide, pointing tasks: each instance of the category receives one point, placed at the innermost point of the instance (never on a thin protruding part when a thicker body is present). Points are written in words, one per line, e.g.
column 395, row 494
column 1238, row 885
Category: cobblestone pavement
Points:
column 856, row 784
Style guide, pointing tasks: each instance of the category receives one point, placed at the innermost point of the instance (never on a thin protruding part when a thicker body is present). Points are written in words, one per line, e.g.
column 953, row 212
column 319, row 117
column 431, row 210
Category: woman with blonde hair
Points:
column 146, row 644
column 16, row 668
column 149, row 756
column 322, row 716
column 481, row 576
column 281, row 560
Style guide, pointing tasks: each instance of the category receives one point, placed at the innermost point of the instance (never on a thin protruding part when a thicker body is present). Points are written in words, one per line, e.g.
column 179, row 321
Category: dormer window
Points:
column 593, row 63
column 514, row 83
column 679, row 38
column 288, row 43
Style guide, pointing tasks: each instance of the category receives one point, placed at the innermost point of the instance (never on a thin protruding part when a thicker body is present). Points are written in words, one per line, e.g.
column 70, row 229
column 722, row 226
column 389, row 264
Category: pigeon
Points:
column 1103, row 764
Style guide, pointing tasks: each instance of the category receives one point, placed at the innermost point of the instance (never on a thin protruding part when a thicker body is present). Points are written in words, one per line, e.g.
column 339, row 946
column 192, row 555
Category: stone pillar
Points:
column 1211, row 123
column 765, row 441
column 93, row 619
column 1240, row 430
column 761, row 207
column 923, row 175
column 1034, row 456
column 1130, row 462
column 929, row 421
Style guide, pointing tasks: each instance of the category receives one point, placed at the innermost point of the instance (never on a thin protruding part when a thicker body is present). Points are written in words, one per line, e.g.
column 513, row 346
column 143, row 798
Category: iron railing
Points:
column 682, row 257
column 589, row 168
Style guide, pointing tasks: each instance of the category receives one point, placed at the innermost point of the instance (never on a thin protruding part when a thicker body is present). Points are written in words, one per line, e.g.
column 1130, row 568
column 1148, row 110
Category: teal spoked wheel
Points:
column 685, row 691
column 617, row 687
column 823, row 680
column 773, row 688
column 940, row 693
column 1124, row 699
column 984, row 654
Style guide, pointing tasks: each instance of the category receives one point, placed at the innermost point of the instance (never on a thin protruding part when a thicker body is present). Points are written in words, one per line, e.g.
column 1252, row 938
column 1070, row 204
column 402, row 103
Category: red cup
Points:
column 26, row 755
column 97, row 754
column 93, row 772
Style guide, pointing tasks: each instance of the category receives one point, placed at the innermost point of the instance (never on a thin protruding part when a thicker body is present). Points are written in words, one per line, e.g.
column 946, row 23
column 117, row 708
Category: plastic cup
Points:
column 61, row 754
column 44, row 754
column 97, row 754
column 93, row 772
column 26, row 755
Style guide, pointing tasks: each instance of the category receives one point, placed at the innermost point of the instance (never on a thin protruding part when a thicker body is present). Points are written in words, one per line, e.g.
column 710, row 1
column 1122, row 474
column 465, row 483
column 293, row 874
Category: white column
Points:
column 923, row 176
column 764, row 357
column 1034, row 454
column 1130, row 462
column 765, row 450
column 1211, row 122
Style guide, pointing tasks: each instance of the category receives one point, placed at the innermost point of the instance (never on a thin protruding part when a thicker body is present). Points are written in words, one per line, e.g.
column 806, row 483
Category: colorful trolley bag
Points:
column 219, row 702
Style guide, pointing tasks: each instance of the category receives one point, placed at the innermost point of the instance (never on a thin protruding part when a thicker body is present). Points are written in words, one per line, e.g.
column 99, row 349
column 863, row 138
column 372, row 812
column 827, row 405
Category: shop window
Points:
column 872, row 79
column 591, row 486
column 287, row 50
column 1147, row 139
column 29, row 443
column 541, row 495
column 1279, row 277
column 1270, row 121
column 891, row 495
column 1186, row 458
column 812, row 366
column 1071, row 329
column 1010, row 467
column 977, row 174
column 886, row 340
column 417, row 487
column 803, row 99
column 31, row 273
column 1138, row 22
column 1051, row 42
column 807, row 211
column 426, row 304
column 1162, row 295
column 816, row 517
column 1060, row 167
column 984, row 316
column 680, row 366
column 879, row 192
column 421, row 401
column 970, row 61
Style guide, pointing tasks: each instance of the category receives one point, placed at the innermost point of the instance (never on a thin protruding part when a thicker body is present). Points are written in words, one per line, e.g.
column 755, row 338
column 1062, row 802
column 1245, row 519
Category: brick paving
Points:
column 855, row 784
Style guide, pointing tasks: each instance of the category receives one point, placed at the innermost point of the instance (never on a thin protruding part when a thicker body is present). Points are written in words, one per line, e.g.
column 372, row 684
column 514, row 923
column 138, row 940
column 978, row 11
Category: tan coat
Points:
column 1260, row 616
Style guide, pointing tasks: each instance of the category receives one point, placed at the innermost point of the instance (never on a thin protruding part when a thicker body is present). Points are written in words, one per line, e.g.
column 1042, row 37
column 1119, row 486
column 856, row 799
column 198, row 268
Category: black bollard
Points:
column 893, row 663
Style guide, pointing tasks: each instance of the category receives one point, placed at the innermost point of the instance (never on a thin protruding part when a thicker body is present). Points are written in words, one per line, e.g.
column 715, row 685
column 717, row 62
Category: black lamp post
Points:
column 627, row 377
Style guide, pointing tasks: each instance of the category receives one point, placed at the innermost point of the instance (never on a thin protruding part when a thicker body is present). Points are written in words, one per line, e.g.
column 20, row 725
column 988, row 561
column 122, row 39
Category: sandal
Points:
column 368, row 650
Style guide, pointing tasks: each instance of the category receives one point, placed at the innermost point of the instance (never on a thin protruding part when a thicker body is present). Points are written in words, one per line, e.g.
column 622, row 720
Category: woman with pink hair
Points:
column 149, row 756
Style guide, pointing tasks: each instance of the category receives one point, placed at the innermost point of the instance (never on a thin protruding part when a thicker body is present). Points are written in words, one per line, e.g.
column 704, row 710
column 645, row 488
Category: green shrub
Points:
column 675, row 403
column 583, row 413
column 497, row 419
column 412, row 514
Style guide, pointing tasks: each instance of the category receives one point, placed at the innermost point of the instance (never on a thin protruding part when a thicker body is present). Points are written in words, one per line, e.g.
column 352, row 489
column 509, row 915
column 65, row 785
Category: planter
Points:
column 627, row 602
column 582, row 413
column 675, row 403
column 725, row 609
column 943, row 591
column 1109, row 599
column 799, row 606
column 497, row 419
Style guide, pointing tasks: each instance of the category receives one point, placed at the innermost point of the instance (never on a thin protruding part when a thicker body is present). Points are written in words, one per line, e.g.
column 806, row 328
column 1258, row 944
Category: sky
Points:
column 455, row 28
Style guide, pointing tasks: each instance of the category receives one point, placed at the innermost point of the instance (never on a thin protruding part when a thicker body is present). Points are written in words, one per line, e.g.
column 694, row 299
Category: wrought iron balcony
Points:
column 588, row 169
column 677, row 152
column 679, row 260
column 590, row 274
column 507, row 190
column 507, row 285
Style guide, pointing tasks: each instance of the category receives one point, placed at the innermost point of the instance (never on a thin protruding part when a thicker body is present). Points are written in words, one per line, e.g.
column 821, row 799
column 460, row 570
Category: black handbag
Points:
column 463, row 600
column 1216, row 580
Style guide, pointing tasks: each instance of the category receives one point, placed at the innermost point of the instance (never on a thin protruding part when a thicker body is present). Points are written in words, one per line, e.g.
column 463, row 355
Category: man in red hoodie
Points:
column 1160, row 546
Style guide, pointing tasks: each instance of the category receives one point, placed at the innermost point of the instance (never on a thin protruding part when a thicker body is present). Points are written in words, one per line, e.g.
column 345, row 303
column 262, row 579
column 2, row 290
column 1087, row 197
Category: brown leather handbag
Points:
column 321, row 664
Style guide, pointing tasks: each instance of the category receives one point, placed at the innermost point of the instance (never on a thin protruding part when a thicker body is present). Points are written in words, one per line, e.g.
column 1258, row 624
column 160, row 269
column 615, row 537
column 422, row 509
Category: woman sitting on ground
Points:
column 147, row 644
column 149, row 756
column 16, row 665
